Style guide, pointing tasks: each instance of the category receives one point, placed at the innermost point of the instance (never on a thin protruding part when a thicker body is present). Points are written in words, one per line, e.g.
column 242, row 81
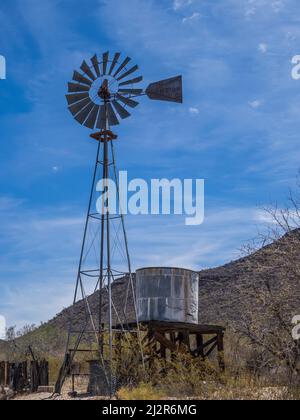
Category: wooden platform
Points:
column 179, row 326
column 165, row 339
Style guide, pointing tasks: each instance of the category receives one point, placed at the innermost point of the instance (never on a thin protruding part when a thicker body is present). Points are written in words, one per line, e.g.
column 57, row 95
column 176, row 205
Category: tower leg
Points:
column 98, row 324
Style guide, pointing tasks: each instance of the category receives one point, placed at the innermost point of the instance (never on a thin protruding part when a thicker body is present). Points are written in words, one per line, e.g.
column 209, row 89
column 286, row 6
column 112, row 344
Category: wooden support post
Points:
column 221, row 357
column 73, row 384
column 187, row 340
column 164, row 342
column 34, row 376
column 173, row 341
column 6, row 373
column 169, row 338
column 180, row 339
column 163, row 349
column 200, row 350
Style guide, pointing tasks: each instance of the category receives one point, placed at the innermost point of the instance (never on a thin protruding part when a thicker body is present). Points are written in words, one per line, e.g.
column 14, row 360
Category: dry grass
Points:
column 189, row 378
column 141, row 393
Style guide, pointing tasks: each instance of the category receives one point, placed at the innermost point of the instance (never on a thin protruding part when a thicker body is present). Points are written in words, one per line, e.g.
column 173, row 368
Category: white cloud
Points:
column 263, row 48
column 194, row 111
column 8, row 203
column 290, row 36
column 2, row 327
column 43, row 252
column 254, row 7
column 179, row 4
column 40, row 250
column 193, row 17
column 55, row 169
column 278, row 5
column 265, row 218
column 250, row 12
column 217, row 241
column 255, row 104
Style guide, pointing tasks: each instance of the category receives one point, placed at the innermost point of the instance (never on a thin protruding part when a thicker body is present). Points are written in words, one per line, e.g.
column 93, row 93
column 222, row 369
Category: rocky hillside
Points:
column 250, row 293
column 4, row 347
column 254, row 286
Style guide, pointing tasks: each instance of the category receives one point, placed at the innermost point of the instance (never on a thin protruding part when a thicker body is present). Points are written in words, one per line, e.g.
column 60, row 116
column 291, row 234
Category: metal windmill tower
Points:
column 99, row 96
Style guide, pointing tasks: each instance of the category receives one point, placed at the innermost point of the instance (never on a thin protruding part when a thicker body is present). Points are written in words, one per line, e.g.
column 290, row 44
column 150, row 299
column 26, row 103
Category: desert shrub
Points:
column 185, row 375
column 54, row 367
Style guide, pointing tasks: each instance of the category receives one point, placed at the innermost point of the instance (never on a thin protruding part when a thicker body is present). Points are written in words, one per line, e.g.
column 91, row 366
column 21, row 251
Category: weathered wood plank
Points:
column 164, row 341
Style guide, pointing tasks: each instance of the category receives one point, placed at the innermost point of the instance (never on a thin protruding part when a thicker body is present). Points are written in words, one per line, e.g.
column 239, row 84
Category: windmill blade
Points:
column 81, row 79
column 75, row 87
column 112, row 118
column 82, row 116
column 127, row 101
column 95, row 63
column 86, row 109
column 85, row 68
column 132, row 70
column 101, row 120
column 169, row 90
column 91, row 120
column 74, row 109
column 121, row 110
column 131, row 91
column 73, row 98
column 132, row 81
column 114, row 63
column 105, row 61
column 124, row 64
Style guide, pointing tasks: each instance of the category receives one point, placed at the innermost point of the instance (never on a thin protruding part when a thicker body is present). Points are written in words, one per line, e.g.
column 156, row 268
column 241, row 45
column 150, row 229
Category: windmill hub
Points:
column 104, row 92
column 101, row 87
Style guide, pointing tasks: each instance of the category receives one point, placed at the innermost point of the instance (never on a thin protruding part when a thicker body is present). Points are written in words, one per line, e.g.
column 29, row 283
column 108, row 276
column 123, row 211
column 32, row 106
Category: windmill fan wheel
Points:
column 103, row 90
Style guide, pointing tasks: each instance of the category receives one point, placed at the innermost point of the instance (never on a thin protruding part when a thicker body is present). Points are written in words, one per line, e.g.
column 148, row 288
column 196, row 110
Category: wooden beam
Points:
column 173, row 341
column 202, row 347
column 163, row 350
column 211, row 349
column 164, row 341
column 209, row 342
column 199, row 350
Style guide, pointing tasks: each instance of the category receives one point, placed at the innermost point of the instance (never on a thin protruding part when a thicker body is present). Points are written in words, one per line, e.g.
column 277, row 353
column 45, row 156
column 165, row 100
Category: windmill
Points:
column 100, row 95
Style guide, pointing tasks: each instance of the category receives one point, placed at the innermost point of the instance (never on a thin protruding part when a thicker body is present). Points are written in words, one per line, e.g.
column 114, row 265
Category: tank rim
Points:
column 167, row 268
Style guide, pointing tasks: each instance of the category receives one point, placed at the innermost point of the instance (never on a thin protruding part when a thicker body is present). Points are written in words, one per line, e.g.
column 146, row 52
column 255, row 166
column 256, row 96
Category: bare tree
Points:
column 271, row 285
column 10, row 333
column 27, row 329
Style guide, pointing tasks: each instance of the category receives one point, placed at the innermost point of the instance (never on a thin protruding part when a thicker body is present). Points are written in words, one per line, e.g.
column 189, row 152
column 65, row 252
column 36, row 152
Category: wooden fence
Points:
column 24, row 375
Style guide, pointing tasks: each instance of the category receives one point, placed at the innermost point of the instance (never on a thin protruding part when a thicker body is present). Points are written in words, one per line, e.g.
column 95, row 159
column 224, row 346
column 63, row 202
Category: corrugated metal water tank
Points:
column 167, row 294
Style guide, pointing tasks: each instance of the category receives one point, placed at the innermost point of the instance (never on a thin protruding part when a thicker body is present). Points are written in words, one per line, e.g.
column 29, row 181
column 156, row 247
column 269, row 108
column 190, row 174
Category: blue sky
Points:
column 238, row 129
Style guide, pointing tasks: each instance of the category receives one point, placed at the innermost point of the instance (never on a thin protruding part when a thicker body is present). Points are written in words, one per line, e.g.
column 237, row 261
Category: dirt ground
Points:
column 48, row 397
column 227, row 393
column 269, row 394
column 81, row 385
